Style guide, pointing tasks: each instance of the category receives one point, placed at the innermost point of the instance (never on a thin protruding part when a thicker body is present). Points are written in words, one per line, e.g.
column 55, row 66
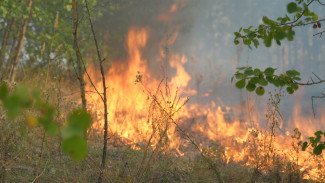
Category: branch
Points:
column 320, row 33
column 312, row 102
column 288, row 23
column 321, row 3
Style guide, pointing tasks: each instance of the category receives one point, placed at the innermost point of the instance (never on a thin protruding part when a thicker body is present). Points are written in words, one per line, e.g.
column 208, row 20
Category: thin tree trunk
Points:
column 6, row 39
column 104, row 98
column 21, row 42
column 78, row 54
column 5, row 74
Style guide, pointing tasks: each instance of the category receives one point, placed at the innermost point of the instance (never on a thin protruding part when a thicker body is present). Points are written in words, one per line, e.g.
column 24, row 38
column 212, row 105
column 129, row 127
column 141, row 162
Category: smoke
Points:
column 205, row 36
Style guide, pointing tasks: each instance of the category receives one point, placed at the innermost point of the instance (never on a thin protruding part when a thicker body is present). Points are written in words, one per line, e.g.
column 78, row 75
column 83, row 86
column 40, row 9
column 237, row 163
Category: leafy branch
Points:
column 256, row 80
column 280, row 28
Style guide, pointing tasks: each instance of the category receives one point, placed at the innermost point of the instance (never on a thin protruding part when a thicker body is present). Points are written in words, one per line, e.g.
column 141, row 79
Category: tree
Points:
column 299, row 14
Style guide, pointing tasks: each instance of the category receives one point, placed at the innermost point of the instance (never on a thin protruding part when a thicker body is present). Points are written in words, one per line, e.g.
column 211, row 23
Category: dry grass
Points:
column 29, row 155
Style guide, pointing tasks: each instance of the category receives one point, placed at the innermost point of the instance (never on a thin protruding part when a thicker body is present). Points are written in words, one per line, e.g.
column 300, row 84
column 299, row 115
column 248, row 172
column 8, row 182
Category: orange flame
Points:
column 137, row 111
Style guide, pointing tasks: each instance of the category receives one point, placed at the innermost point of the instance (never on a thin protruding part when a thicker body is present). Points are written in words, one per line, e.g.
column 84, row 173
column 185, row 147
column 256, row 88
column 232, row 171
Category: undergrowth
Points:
column 28, row 154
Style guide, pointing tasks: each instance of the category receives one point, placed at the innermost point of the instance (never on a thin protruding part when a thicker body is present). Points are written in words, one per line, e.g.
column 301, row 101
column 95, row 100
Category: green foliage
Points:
column 316, row 142
column 278, row 29
column 257, row 80
column 73, row 132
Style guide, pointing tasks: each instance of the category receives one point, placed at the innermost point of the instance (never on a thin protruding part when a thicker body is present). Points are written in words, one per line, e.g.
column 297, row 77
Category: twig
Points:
column 289, row 23
column 321, row 3
column 312, row 102
column 38, row 176
column 319, row 33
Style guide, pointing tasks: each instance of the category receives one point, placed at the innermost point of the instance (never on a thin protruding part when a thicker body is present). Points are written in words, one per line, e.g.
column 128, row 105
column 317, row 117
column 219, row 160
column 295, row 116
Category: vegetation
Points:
column 47, row 129
column 278, row 30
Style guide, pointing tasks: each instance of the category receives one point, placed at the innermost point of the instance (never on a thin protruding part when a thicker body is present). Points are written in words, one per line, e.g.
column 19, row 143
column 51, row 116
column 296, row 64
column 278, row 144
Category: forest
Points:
column 162, row 91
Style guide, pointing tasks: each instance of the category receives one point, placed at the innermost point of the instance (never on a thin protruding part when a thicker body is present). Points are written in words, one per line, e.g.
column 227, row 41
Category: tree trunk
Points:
column 6, row 39
column 78, row 54
column 5, row 74
column 12, row 73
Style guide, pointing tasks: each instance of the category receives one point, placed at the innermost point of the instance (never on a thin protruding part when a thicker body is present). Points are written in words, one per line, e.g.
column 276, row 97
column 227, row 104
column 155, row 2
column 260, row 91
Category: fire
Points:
column 144, row 110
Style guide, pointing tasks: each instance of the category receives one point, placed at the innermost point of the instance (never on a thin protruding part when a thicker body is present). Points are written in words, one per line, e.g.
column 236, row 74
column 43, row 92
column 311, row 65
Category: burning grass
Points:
column 170, row 149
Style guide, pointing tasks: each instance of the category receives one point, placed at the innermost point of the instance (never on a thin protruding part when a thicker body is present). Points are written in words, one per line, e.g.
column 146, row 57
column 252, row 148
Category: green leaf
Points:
column 257, row 72
column 315, row 17
column 268, row 21
column 262, row 82
column 12, row 104
column 239, row 75
column 250, row 87
column 241, row 68
column 269, row 79
column 279, row 35
column 21, row 92
column 78, row 123
column 319, row 133
column 76, row 147
column 294, row 86
column 80, row 117
column 296, row 78
column 268, row 41
column 51, row 128
column 290, row 35
column 254, row 80
column 292, row 73
column 249, row 71
column 3, row 90
column 241, row 84
column 312, row 140
column 292, row 7
column 304, row 146
column 256, row 43
column 318, row 149
column 317, row 139
column 269, row 71
column 290, row 90
column 260, row 91
column 247, row 41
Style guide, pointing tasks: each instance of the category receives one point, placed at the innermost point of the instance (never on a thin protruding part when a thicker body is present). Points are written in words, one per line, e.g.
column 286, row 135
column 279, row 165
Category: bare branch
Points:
column 319, row 33
column 312, row 102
